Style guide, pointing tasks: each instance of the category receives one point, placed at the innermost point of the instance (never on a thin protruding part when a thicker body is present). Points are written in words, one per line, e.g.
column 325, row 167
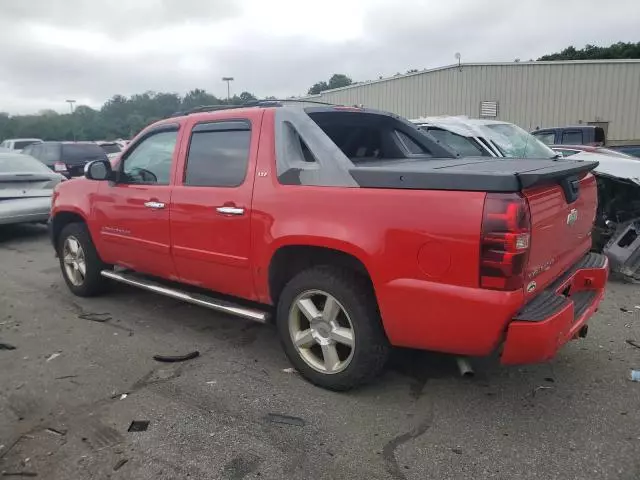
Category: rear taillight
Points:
column 59, row 167
column 505, row 241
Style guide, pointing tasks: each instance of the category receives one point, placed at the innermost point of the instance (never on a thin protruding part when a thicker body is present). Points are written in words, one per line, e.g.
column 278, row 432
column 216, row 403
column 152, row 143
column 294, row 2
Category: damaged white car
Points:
column 617, row 228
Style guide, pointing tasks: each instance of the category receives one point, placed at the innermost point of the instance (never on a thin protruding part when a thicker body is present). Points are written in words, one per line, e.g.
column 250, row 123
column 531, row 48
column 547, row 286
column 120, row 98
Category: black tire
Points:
column 93, row 283
column 371, row 347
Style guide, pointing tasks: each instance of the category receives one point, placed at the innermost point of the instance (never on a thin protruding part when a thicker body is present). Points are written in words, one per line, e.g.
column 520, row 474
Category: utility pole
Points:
column 228, row 80
column 73, row 129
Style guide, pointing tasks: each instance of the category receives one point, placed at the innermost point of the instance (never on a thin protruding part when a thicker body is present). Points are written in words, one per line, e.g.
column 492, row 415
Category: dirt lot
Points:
column 75, row 382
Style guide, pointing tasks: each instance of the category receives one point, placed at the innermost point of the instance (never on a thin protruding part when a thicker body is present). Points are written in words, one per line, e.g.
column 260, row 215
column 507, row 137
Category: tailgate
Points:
column 560, row 228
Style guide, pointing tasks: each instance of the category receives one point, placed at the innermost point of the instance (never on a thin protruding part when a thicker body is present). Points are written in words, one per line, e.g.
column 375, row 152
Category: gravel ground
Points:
column 76, row 380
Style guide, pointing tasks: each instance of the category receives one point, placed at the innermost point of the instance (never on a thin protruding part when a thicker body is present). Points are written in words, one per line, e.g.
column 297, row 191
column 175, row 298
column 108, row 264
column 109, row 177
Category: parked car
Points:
column 351, row 227
column 572, row 135
column 26, row 187
column 17, row 144
column 112, row 149
column 568, row 150
column 618, row 178
column 66, row 158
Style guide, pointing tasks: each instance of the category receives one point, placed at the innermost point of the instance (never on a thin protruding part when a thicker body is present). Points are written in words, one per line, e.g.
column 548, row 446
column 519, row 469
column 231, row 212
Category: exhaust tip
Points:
column 466, row 370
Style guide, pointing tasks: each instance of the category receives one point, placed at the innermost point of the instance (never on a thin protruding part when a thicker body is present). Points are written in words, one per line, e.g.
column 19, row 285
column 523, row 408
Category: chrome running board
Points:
column 194, row 298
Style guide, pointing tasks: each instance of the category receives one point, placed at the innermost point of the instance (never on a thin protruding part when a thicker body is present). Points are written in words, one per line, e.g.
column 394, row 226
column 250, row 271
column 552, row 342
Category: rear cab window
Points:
column 467, row 147
column 572, row 137
column 548, row 138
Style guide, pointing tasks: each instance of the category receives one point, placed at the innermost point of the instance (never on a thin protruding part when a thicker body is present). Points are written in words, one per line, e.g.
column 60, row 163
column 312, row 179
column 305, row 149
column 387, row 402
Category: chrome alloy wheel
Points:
column 75, row 264
column 321, row 331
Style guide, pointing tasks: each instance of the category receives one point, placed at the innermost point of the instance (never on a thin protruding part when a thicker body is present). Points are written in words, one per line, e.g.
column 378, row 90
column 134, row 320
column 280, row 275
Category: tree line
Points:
column 123, row 117
column 119, row 117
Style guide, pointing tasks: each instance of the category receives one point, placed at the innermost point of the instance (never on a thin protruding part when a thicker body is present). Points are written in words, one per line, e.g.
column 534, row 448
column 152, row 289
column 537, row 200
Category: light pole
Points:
column 228, row 80
column 73, row 129
column 71, row 102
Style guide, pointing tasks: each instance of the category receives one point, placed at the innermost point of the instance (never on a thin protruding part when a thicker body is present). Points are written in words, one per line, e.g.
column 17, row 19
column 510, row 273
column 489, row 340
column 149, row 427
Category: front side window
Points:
column 218, row 155
column 149, row 163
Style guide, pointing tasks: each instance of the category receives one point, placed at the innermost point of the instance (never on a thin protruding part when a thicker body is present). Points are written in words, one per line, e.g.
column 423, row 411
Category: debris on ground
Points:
column 96, row 317
column 289, row 370
column 549, row 379
column 53, row 356
column 176, row 358
column 285, row 419
column 66, row 376
column 19, row 474
column 635, row 375
column 541, row 387
column 55, row 431
column 212, row 382
column 633, row 343
column 457, row 450
column 6, row 346
column 138, row 426
column 120, row 464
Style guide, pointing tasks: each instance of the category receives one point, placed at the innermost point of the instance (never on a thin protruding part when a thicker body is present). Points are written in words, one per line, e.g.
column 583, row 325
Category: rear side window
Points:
column 218, row 154
column 111, row 148
column 409, row 144
column 19, row 145
column 82, row 152
column 572, row 137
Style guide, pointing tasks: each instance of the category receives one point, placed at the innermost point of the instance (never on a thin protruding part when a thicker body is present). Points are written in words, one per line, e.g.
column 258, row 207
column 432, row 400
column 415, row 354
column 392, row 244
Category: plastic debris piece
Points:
column 123, row 396
column 55, row 431
column 176, row 358
column 625, row 310
column 285, row 419
column 633, row 343
column 6, row 346
column 120, row 464
column 289, row 370
column 212, row 382
column 549, row 379
column 53, row 356
column 457, row 450
column 138, row 426
column 635, row 375
column 637, row 307
column 95, row 317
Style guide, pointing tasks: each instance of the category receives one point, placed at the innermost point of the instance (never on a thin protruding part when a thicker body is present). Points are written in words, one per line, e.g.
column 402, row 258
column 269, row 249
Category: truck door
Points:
column 211, row 204
column 132, row 214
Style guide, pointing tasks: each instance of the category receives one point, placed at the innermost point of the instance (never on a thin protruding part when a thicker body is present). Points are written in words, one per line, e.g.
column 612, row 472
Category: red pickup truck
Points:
column 349, row 227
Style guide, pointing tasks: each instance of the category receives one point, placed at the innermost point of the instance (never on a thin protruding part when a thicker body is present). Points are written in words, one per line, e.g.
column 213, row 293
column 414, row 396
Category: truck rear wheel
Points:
column 79, row 261
column 330, row 328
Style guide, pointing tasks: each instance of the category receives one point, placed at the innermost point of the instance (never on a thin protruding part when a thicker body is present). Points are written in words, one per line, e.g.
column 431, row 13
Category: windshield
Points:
column 19, row 163
column 514, row 142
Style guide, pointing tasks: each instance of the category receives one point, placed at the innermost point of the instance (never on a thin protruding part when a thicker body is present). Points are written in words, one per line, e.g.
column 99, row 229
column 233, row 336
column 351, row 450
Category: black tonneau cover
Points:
column 481, row 174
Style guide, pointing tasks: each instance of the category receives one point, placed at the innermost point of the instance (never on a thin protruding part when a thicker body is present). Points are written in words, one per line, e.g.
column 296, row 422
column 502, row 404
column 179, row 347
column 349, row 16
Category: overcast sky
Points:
column 88, row 50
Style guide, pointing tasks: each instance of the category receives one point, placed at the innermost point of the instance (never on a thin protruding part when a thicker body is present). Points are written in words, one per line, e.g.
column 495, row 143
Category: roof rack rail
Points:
column 256, row 103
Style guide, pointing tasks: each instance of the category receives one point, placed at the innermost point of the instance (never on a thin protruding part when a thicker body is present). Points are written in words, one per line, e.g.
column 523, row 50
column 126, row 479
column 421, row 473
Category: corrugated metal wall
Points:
column 529, row 94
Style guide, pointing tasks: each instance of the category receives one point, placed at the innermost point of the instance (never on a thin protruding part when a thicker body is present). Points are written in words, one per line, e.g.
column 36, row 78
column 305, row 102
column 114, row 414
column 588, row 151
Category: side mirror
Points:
column 98, row 170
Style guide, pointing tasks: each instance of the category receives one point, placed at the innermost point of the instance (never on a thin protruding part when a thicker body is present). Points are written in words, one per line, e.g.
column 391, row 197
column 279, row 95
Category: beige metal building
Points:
column 529, row 94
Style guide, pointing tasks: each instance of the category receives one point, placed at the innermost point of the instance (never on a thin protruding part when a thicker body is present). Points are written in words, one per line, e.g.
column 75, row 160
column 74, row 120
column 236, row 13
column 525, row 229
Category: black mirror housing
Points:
column 98, row 170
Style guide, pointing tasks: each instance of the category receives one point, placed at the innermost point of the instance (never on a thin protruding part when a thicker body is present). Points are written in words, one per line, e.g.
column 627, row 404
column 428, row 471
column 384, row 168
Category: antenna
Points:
column 459, row 57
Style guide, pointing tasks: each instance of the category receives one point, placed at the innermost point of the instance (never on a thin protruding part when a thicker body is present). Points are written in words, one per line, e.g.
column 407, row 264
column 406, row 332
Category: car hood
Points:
column 618, row 167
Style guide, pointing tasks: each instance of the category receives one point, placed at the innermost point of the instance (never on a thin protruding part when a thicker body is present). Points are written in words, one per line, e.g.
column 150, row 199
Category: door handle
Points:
column 154, row 205
column 230, row 210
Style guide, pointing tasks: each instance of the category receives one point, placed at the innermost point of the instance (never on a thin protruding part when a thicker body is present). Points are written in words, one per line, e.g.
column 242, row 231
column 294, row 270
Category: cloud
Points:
column 54, row 50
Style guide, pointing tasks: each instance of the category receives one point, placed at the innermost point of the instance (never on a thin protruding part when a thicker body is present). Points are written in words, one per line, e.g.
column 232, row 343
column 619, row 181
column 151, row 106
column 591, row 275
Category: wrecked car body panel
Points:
column 616, row 231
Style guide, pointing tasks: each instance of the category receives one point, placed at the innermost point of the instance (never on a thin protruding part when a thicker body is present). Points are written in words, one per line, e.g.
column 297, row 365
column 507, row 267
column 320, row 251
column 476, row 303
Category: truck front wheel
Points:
column 79, row 261
column 330, row 328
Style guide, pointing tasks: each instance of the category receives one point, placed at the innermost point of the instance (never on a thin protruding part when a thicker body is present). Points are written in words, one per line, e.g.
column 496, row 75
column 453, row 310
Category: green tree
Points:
column 339, row 80
column 318, row 87
column 593, row 52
